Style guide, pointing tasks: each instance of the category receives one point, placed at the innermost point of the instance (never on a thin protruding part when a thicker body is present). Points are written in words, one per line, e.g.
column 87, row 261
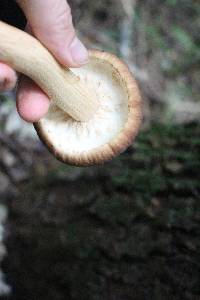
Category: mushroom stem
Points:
column 27, row 55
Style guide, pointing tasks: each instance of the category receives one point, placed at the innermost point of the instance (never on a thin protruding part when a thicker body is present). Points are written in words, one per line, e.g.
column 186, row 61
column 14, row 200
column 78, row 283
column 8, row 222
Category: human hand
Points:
column 50, row 22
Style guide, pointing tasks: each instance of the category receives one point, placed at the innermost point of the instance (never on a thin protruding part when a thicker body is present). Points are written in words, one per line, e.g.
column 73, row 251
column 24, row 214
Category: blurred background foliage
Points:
column 128, row 229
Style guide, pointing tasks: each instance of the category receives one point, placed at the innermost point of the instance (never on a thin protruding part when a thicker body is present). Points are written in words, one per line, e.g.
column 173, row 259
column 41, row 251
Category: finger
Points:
column 51, row 23
column 8, row 78
column 32, row 103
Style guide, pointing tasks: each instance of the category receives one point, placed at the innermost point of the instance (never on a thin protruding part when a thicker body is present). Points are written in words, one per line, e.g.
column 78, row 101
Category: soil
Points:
column 126, row 230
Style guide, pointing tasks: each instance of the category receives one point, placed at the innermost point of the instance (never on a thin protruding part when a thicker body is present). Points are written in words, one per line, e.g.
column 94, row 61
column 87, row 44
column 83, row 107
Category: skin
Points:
column 50, row 21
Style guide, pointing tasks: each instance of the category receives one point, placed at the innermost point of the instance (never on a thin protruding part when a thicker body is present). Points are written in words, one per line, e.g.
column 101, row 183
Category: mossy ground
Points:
column 126, row 230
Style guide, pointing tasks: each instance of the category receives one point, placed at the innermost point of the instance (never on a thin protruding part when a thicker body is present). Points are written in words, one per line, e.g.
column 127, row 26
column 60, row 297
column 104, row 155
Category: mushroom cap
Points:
column 114, row 125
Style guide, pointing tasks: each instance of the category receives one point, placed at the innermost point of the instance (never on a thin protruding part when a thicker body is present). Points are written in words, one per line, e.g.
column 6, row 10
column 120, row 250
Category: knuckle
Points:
column 65, row 18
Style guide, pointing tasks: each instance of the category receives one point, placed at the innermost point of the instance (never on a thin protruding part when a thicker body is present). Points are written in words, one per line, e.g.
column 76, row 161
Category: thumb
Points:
column 51, row 23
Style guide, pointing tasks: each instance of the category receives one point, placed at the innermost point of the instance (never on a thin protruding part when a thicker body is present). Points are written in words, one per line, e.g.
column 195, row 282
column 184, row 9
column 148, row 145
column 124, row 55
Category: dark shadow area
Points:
column 126, row 230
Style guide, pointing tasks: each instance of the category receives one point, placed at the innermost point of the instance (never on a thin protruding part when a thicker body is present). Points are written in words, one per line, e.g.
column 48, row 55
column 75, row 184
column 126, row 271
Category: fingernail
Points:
column 78, row 52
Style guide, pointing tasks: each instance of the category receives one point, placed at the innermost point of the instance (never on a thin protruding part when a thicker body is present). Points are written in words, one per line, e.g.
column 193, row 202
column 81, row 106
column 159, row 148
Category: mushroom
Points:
column 95, row 110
